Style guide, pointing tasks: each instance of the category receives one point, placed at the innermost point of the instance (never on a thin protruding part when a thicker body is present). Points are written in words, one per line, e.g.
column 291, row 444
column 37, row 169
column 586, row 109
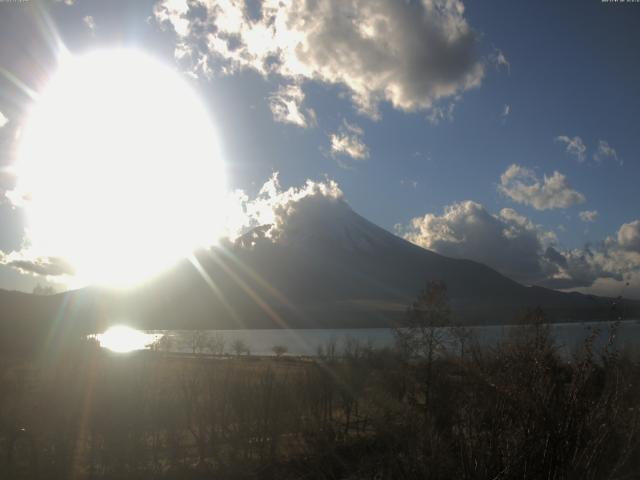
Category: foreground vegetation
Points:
column 516, row 410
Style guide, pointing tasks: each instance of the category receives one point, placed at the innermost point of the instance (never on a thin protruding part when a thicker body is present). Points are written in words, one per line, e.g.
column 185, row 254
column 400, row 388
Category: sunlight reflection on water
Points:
column 567, row 336
column 123, row 339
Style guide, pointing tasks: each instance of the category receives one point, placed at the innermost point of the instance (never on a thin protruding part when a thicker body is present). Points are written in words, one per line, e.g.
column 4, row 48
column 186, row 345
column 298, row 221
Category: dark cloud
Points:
column 552, row 255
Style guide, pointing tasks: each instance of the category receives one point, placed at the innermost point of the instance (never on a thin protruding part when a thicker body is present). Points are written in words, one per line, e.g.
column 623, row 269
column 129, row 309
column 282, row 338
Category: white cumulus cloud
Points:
column 629, row 236
column 280, row 209
column 522, row 185
column 3, row 120
column 524, row 251
column 508, row 241
column 410, row 54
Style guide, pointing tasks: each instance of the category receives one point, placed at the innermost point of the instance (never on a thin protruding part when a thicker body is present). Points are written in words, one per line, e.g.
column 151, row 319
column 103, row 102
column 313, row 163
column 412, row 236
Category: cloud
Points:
column 611, row 287
column 439, row 113
column 522, row 185
column 604, row 152
column 283, row 211
column 286, row 107
column 588, row 215
column 603, row 269
column 412, row 183
column 524, row 251
column 348, row 141
column 629, row 236
column 89, row 22
column 508, row 242
column 3, row 120
column 576, row 268
column 38, row 266
column 410, row 54
column 498, row 58
column 574, row 146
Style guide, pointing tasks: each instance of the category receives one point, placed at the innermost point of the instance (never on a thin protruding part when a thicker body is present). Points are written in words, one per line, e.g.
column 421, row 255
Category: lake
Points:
column 568, row 336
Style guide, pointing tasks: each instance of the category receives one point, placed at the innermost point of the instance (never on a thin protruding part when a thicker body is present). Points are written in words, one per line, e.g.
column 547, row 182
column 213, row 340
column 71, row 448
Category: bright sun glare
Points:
column 122, row 339
column 119, row 168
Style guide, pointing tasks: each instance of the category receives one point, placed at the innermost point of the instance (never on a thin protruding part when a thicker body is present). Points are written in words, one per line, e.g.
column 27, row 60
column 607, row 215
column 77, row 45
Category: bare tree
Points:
column 164, row 344
column 216, row 344
column 462, row 336
column 328, row 351
column 198, row 341
column 239, row 347
column 422, row 332
column 279, row 350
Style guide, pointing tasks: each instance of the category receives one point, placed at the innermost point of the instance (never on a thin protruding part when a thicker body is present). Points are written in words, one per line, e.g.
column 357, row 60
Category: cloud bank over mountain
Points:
column 507, row 241
column 516, row 247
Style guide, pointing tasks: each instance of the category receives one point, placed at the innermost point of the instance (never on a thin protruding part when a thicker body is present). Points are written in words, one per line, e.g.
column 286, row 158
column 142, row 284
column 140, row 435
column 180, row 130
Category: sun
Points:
column 119, row 168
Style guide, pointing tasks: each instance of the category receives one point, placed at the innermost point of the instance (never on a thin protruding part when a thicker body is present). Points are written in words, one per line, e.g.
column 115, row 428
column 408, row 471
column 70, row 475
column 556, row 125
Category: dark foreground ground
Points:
column 515, row 411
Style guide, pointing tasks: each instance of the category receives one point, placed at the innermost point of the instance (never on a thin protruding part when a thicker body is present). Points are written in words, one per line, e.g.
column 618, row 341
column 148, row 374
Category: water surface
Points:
column 568, row 337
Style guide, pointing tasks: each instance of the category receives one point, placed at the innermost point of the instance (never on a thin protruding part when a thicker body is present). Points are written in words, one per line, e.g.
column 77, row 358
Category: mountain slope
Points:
column 326, row 266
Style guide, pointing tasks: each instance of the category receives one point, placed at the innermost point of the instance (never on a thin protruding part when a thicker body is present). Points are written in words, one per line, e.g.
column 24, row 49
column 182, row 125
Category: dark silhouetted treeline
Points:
column 518, row 410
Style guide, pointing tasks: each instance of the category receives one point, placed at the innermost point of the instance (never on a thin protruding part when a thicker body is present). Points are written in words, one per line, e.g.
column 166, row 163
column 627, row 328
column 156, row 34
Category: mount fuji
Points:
column 325, row 267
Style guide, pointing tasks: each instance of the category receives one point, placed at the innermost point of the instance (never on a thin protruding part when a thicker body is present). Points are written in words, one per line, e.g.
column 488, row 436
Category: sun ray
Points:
column 214, row 288
column 305, row 320
column 23, row 87
column 271, row 313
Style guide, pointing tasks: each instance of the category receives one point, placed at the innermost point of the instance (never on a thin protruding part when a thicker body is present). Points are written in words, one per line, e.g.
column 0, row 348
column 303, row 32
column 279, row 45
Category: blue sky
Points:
column 551, row 73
